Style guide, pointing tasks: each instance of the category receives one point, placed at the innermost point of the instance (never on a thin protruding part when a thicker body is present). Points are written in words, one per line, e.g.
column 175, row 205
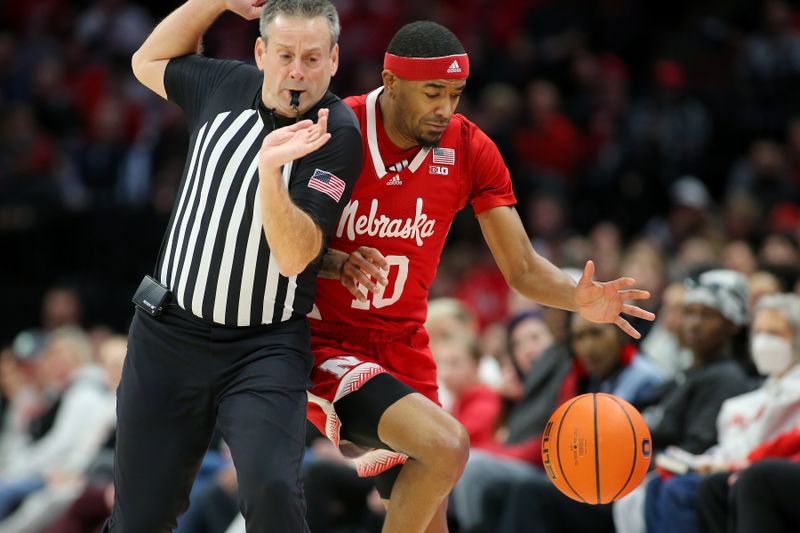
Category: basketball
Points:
column 596, row 448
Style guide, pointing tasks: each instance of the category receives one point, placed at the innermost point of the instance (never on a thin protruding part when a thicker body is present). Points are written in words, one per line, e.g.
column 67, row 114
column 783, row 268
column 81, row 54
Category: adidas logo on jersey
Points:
column 395, row 181
column 454, row 67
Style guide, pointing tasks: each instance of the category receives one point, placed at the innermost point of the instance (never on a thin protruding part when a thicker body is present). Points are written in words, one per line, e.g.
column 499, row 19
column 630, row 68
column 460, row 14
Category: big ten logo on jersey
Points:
column 392, row 291
column 435, row 169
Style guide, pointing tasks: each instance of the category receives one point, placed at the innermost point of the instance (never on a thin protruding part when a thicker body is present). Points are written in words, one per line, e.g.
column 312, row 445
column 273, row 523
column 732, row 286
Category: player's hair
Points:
column 307, row 9
column 425, row 38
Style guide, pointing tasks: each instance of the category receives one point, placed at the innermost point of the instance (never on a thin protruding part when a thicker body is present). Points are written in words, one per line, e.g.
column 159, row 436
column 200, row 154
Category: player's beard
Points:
column 431, row 140
column 428, row 140
column 427, row 143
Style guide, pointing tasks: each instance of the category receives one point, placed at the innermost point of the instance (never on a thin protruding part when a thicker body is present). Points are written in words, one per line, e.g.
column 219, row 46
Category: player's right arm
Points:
column 179, row 34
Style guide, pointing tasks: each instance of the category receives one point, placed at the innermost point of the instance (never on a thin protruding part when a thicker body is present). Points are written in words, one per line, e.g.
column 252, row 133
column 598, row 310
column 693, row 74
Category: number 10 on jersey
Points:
column 398, row 262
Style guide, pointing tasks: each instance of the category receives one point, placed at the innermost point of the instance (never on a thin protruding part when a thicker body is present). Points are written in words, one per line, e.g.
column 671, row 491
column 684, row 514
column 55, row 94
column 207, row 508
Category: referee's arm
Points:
column 293, row 237
column 179, row 34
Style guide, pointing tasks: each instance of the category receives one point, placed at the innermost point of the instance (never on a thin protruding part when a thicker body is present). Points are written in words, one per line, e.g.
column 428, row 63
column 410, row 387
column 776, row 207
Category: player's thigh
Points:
column 414, row 425
column 362, row 411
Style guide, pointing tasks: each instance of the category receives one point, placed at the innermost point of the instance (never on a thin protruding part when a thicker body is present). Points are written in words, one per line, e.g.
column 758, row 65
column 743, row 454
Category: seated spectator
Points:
column 84, row 411
column 715, row 309
column 64, row 485
column 745, row 421
column 475, row 405
column 447, row 318
column 23, row 401
column 663, row 344
column 766, row 497
column 529, row 395
column 762, row 497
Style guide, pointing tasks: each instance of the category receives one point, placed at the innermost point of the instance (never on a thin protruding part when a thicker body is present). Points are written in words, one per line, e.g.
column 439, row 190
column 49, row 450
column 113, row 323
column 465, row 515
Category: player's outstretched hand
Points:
column 363, row 266
column 605, row 301
column 293, row 142
column 247, row 9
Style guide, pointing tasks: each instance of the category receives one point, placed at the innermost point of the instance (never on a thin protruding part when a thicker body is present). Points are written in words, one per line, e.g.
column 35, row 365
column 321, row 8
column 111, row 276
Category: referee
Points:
column 219, row 336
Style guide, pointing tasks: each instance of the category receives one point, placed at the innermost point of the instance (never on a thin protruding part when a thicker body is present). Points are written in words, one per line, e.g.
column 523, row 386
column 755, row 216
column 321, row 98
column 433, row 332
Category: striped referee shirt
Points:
column 214, row 255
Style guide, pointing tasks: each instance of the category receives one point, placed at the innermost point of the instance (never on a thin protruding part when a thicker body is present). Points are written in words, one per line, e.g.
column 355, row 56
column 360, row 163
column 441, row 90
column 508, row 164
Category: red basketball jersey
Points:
column 405, row 213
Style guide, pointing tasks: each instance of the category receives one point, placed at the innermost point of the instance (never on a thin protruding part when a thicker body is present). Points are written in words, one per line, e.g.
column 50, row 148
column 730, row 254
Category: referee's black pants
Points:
column 181, row 377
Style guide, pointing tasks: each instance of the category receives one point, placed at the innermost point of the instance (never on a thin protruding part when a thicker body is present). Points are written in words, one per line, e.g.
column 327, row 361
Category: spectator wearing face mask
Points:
column 745, row 421
column 755, row 419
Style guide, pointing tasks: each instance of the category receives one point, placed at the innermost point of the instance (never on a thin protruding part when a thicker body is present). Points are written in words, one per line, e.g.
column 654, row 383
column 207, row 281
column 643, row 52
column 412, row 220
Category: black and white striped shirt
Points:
column 214, row 256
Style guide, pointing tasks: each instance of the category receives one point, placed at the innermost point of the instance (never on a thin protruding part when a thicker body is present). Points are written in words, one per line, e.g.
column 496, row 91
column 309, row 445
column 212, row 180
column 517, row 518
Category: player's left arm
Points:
column 536, row 278
column 525, row 270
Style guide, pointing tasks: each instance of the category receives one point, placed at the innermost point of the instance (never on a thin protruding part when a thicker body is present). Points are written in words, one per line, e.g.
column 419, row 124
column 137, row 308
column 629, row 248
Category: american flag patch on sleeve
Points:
column 444, row 156
column 327, row 183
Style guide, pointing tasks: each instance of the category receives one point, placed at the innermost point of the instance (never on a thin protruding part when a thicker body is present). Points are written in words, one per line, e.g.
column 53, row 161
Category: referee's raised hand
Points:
column 248, row 9
column 293, row 142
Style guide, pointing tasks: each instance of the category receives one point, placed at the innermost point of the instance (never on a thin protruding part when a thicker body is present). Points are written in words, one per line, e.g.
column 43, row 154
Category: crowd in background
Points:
column 661, row 139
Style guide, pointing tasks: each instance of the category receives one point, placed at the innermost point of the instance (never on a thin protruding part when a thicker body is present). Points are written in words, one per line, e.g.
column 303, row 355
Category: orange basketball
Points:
column 596, row 448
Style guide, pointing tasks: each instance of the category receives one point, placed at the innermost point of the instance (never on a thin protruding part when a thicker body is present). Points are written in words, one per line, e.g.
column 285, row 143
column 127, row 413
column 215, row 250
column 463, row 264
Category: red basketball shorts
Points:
column 345, row 358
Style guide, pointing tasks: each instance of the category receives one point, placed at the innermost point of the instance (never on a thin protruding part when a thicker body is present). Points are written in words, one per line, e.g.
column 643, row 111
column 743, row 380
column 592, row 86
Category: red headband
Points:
column 454, row 67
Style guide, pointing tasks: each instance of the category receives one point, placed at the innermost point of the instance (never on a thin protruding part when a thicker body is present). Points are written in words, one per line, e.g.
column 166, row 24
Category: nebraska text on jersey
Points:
column 382, row 226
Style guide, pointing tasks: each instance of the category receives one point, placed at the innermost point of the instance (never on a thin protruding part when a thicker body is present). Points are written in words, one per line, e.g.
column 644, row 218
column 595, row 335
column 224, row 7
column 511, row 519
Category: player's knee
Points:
column 450, row 447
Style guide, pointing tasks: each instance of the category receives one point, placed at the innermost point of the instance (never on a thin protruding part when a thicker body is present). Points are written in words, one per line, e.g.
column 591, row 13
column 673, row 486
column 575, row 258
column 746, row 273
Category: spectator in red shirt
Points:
column 475, row 404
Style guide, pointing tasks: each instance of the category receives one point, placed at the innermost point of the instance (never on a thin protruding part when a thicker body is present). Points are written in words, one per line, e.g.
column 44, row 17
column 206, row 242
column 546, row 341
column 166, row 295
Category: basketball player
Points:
column 375, row 391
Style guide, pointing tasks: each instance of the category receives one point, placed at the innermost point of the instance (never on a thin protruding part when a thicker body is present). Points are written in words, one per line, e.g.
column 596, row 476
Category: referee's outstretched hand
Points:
column 247, row 9
column 293, row 142
column 604, row 302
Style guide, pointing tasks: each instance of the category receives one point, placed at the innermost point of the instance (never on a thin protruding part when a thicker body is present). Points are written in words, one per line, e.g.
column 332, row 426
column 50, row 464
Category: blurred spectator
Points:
column 80, row 412
column 448, row 318
column 715, row 308
column 755, row 498
column 739, row 256
column 664, row 344
column 769, row 65
column 690, row 215
column 498, row 115
column 742, row 216
column 475, row 405
column 668, row 129
column 64, row 484
column 606, row 246
column 744, row 422
column 694, row 255
column 763, row 175
column 759, row 284
column 114, row 27
column 548, row 145
column 61, row 306
column 779, row 250
column 644, row 263
column 21, row 396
